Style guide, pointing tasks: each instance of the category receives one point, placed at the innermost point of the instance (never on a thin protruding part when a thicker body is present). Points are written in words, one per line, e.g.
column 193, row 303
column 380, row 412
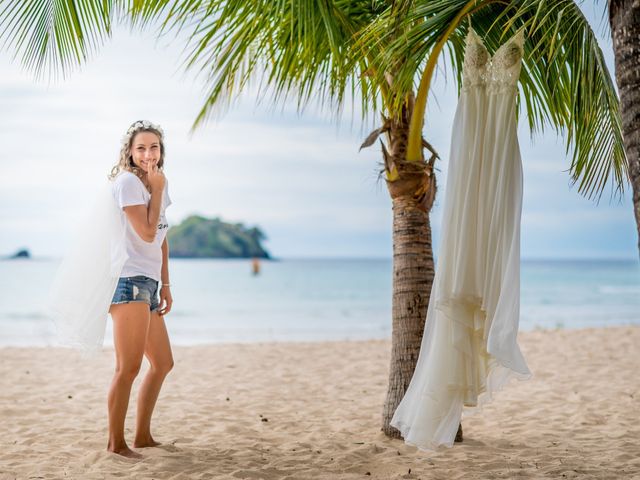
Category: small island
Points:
column 22, row 253
column 200, row 237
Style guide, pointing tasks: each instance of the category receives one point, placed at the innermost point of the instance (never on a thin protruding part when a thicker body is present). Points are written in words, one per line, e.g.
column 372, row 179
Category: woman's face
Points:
column 145, row 150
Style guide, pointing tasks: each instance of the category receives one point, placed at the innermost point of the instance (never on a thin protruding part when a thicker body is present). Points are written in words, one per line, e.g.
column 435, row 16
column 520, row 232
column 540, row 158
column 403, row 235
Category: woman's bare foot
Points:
column 123, row 450
column 145, row 442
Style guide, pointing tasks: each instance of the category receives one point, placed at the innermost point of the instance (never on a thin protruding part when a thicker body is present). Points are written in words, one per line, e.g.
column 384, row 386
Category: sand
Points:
column 312, row 411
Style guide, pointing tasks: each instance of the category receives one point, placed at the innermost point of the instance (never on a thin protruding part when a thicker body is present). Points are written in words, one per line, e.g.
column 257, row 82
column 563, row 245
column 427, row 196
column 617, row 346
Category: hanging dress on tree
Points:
column 469, row 349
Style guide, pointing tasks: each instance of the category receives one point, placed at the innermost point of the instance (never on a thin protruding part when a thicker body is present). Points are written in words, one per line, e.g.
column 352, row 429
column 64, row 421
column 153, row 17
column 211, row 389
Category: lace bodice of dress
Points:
column 505, row 65
column 500, row 72
column 476, row 62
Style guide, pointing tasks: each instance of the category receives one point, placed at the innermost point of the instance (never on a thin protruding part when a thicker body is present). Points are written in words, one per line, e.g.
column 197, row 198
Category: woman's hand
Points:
column 155, row 178
column 166, row 300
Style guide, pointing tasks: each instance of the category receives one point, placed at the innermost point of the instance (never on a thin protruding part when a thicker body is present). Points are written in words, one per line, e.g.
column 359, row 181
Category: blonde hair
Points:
column 126, row 161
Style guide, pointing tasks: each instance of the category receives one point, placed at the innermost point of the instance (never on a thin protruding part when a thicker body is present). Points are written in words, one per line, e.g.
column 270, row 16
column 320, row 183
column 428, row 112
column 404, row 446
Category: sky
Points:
column 299, row 177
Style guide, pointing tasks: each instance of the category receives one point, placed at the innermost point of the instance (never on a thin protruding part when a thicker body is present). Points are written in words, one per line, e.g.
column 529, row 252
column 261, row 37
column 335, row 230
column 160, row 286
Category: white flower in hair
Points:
column 138, row 126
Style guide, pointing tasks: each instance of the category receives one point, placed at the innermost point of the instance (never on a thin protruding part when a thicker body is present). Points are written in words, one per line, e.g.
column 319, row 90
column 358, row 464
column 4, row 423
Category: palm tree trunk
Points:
column 413, row 272
column 413, row 267
column 624, row 18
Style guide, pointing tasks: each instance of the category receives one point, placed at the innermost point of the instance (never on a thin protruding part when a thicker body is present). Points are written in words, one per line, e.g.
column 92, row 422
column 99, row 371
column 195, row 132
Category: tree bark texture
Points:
column 412, row 197
column 624, row 18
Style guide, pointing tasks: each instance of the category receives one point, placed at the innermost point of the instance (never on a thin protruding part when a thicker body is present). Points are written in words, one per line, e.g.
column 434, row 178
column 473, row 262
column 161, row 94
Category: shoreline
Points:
column 109, row 347
column 311, row 410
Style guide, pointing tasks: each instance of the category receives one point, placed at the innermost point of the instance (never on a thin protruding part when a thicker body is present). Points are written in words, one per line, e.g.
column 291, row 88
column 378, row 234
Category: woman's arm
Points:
column 143, row 219
column 166, row 300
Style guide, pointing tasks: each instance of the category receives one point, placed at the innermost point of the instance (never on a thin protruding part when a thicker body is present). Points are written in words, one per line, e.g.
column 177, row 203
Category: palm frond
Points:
column 287, row 48
column 55, row 35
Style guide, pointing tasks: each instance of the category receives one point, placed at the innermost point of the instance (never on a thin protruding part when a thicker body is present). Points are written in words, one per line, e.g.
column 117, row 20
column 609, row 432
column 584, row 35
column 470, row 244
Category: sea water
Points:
column 320, row 299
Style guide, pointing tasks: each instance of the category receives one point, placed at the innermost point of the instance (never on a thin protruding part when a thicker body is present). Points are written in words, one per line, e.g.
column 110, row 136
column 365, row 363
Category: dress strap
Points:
column 519, row 38
column 473, row 37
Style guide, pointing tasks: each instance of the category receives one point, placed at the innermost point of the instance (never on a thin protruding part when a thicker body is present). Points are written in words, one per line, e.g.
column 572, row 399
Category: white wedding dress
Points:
column 469, row 348
column 83, row 286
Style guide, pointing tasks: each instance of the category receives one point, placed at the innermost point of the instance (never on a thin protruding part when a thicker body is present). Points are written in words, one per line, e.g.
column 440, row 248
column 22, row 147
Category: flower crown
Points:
column 140, row 125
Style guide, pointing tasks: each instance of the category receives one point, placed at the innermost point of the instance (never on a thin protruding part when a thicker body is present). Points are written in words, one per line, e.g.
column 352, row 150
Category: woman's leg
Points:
column 158, row 352
column 130, row 325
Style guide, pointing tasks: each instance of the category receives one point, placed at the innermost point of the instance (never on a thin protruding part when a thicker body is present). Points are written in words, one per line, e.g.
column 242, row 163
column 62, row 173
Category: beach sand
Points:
column 312, row 411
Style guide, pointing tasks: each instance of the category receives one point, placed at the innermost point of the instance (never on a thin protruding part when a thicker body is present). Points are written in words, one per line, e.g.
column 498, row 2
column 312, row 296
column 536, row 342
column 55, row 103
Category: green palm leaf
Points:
column 286, row 48
column 54, row 34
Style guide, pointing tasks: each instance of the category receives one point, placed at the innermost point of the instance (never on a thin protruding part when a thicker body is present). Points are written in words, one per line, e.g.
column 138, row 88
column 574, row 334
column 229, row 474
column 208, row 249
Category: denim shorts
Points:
column 137, row 289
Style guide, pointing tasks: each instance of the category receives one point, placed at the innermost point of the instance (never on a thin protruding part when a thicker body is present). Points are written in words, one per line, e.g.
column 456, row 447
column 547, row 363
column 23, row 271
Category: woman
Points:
column 139, row 188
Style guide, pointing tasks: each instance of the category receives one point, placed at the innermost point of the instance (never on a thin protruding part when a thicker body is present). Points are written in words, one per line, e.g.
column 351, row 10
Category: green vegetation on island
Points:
column 200, row 237
column 22, row 253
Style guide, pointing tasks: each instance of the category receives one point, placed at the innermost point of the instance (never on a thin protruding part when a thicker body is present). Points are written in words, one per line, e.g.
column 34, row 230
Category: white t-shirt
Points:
column 144, row 258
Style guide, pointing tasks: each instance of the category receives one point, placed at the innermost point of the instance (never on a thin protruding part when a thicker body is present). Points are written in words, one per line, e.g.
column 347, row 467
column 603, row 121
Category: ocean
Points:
column 313, row 300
